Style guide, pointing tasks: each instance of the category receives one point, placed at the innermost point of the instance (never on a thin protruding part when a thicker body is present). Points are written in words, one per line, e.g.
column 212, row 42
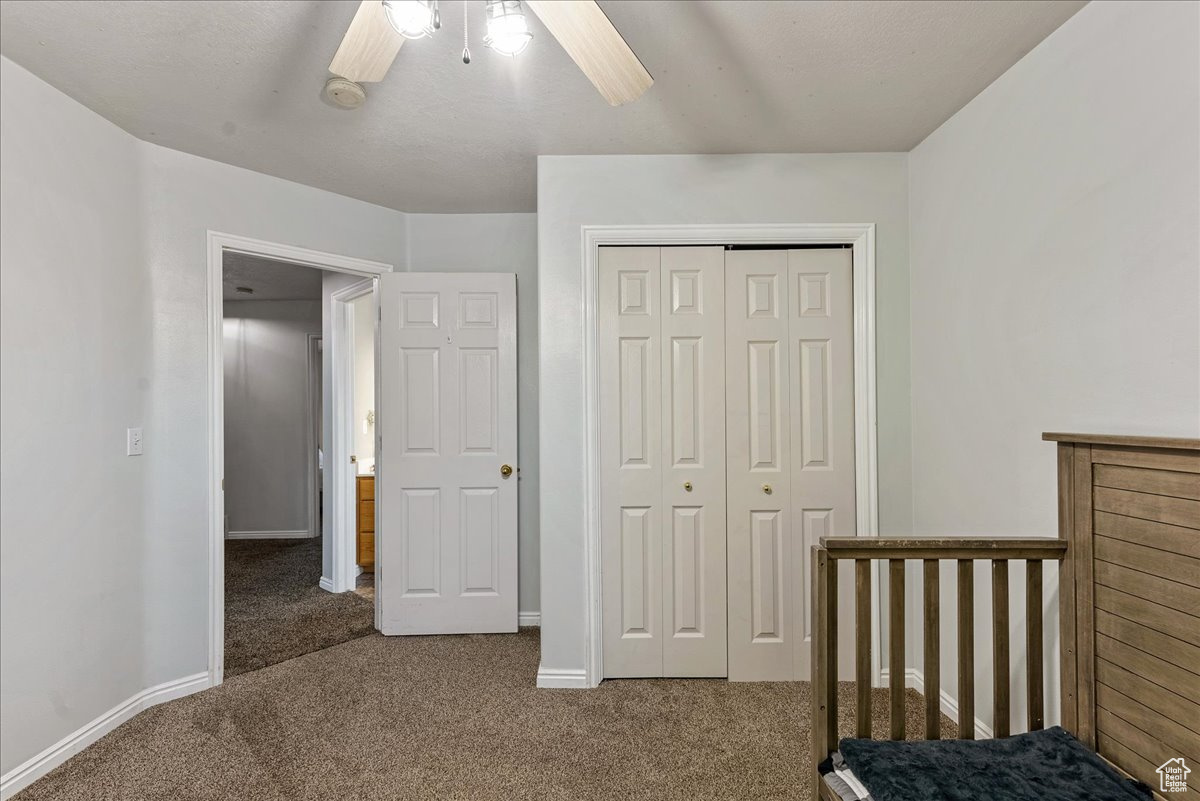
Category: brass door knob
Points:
column 687, row 485
column 767, row 488
column 505, row 470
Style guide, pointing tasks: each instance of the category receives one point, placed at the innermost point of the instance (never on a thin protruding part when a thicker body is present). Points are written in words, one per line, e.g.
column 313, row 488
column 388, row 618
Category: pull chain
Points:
column 466, row 39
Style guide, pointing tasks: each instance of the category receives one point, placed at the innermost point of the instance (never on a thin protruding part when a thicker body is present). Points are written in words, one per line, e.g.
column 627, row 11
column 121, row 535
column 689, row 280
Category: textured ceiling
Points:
column 240, row 82
column 270, row 279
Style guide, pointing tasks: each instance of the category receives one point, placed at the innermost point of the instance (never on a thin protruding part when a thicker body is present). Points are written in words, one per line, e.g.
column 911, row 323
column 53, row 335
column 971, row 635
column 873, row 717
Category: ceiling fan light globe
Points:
column 507, row 29
column 412, row 19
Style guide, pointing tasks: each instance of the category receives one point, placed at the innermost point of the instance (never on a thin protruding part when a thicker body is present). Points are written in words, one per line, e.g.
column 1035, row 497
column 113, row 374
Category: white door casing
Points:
column 663, row 463
column 447, row 534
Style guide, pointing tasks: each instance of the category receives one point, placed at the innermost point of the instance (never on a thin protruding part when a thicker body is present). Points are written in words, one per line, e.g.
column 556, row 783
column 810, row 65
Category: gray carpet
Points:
column 274, row 608
column 406, row 719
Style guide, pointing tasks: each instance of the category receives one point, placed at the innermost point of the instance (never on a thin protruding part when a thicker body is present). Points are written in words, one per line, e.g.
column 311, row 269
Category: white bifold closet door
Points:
column 790, row 429
column 662, row 453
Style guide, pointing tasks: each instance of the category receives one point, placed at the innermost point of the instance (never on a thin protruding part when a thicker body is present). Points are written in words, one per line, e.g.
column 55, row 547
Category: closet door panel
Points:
column 631, row 461
column 821, row 353
column 761, row 546
column 693, row 461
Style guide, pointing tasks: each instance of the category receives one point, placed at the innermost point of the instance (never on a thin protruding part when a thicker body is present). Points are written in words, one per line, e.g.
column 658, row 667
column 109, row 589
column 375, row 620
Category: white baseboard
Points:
column 326, row 584
column 569, row 679
column 268, row 535
column 529, row 618
column 33, row 769
column 915, row 679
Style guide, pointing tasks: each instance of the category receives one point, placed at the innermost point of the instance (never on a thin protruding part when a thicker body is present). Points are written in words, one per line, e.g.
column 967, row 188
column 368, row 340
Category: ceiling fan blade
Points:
column 584, row 31
column 369, row 46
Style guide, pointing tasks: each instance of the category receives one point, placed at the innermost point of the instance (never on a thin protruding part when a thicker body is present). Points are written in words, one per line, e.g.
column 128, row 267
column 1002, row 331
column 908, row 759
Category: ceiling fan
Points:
column 380, row 27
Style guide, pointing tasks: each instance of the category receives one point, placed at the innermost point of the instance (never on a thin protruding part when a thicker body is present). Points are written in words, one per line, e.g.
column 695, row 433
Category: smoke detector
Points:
column 345, row 94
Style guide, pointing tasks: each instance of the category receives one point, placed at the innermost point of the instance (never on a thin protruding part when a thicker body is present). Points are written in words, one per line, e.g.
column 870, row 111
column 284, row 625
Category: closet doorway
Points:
column 729, row 444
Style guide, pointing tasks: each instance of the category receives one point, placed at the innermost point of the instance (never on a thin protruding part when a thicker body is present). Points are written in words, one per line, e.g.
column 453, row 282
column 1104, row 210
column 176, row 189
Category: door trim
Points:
column 342, row 508
column 861, row 238
column 218, row 243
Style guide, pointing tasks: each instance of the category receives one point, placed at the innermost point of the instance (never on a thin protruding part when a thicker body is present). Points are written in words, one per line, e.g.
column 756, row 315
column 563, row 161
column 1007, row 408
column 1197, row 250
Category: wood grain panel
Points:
column 933, row 658
column 1145, row 746
column 1150, row 587
column 1182, row 740
column 1152, row 459
column 1152, row 534
column 1169, row 649
column 1068, row 678
column 862, row 648
column 1084, row 565
column 1156, row 482
column 896, row 647
column 1177, row 624
column 966, row 650
column 1176, row 511
column 1183, row 711
column 1001, row 690
column 1134, row 765
column 1161, row 672
column 1175, row 567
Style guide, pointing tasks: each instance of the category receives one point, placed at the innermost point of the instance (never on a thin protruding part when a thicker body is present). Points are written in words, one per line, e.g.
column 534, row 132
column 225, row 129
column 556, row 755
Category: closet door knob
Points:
column 767, row 489
column 687, row 485
column 505, row 470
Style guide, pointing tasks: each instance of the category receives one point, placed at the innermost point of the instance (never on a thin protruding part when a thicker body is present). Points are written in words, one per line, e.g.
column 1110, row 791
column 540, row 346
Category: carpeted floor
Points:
column 274, row 608
column 406, row 719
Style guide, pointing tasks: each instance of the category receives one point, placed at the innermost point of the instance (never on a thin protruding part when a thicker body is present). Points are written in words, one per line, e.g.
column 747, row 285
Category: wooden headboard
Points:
column 1129, row 508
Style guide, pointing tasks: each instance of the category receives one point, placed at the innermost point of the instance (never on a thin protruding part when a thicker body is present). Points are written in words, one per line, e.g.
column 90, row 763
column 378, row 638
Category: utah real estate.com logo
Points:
column 1172, row 776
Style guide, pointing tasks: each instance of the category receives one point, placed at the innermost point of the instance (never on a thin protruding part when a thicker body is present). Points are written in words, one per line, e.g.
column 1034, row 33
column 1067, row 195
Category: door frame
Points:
column 313, row 411
column 861, row 238
column 218, row 244
column 343, row 511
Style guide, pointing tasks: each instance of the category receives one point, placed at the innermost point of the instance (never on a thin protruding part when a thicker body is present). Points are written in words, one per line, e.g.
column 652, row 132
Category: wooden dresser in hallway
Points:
column 365, row 539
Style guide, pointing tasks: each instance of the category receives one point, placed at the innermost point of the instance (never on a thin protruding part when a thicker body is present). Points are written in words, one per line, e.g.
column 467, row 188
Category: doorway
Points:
column 272, row 586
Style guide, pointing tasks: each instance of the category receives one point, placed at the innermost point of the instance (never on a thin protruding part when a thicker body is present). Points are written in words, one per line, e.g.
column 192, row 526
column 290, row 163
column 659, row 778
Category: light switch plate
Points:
column 133, row 442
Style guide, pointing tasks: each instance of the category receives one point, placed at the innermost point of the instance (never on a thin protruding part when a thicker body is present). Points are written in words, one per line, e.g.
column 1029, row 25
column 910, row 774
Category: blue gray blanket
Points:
column 1048, row 765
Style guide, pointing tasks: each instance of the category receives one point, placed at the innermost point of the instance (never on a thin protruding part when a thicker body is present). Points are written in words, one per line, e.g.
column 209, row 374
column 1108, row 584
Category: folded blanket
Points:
column 1048, row 765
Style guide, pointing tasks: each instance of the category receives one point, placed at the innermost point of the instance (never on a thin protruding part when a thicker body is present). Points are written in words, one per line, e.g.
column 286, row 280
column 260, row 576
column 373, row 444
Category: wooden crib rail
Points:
column 929, row 551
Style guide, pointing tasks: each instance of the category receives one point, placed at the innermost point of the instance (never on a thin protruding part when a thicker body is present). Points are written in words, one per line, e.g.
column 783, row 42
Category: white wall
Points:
column 597, row 190
column 364, row 380
column 75, row 322
column 1055, row 277
column 267, row 426
column 504, row 243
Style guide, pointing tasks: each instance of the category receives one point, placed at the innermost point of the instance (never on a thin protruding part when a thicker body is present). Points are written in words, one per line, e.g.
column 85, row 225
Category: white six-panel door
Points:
column 663, row 461
column 447, row 507
column 730, row 373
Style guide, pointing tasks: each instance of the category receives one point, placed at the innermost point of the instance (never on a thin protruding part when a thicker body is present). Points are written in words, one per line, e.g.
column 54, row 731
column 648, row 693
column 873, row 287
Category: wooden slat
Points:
column 1176, row 511
column 1174, row 483
column 1151, row 533
column 1085, row 625
column 862, row 648
column 1182, row 461
column 1183, row 711
column 1174, row 567
column 966, row 649
column 1132, row 764
column 1068, row 680
column 831, row 669
column 1179, row 625
column 1000, row 685
column 942, row 548
column 1124, row 440
column 896, row 647
column 933, row 656
column 1170, row 733
column 1033, row 644
column 1169, row 649
column 1145, row 585
column 1159, row 671
column 1145, row 745
column 821, row 709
